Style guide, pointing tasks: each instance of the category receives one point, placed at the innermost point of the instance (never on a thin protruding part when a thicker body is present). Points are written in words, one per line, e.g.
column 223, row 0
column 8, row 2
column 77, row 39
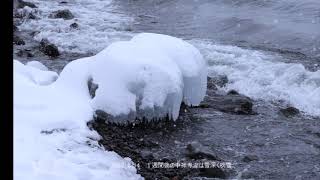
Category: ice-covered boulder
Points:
column 148, row 76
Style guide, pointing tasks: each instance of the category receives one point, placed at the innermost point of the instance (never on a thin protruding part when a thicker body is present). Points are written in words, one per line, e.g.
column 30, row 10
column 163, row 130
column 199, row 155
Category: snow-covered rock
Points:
column 148, row 76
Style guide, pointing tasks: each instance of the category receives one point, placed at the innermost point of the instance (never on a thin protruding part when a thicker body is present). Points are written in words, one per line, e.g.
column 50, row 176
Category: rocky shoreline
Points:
column 148, row 142
column 170, row 141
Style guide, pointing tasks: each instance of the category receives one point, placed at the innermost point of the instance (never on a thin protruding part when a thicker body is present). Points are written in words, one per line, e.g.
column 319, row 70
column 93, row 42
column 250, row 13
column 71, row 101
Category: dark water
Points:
column 288, row 27
column 287, row 148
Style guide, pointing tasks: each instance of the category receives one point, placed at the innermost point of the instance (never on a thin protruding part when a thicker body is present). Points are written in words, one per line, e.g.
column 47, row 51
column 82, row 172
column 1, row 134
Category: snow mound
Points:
column 38, row 65
column 149, row 77
column 51, row 138
column 35, row 74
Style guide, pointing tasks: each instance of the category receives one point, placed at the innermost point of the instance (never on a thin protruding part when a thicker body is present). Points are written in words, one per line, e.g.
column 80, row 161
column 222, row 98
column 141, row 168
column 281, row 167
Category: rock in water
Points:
column 74, row 25
column 233, row 92
column 230, row 103
column 18, row 40
column 195, row 151
column 22, row 4
column 64, row 14
column 48, row 48
column 249, row 158
column 290, row 111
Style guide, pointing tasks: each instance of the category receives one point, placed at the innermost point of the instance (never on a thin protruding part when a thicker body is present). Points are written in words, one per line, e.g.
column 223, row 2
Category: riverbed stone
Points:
column 289, row 111
column 48, row 48
column 64, row 14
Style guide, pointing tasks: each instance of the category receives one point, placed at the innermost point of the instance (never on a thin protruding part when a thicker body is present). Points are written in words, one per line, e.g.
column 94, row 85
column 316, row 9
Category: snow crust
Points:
column 148, row 76
column 262, row 76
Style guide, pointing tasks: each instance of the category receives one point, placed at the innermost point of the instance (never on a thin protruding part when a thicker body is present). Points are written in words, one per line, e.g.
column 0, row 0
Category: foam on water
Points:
column 99, row 24
column 260, row 76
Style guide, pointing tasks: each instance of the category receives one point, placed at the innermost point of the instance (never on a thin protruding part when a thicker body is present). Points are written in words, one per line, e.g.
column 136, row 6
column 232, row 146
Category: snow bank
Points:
column 51, row 139
column 261, row 76
column 148, row 76
column 35, row 74
column 38, row 65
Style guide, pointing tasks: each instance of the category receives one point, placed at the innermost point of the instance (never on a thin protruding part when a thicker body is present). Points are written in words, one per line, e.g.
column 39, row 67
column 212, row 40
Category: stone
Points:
column 197, row 152
column 48, row 48
column 18, row 40
column 233, row 92
column 92, row 88
column 74, row 25
column 289, row 111
column 249, row 158
column 22, row 4
column 64, row 14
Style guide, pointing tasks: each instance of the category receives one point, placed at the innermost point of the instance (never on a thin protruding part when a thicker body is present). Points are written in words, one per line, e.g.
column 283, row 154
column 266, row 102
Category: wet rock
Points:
column 249, row 158
column 22, row 4
column 18, row 40
column 233, row 92
column 220, row 80
column 211, row 84
column 48, row 48
column 64, row 14
column 195, row 151
column 231, row 103
column 74, row 25
column 24, row 53
column 289, row 111
column 92, row 88
column 213, row 173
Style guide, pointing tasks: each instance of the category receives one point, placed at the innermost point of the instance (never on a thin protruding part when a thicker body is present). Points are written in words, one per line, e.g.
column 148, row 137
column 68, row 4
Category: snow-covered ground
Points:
column 99, row 24
column 51, row 137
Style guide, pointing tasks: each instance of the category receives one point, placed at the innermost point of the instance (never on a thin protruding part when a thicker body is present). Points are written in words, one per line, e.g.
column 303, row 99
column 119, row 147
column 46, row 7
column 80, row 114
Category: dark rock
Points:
column 22, row 4
column 64, row 14
column 63, row 2
column 290, row 111
column 233, row 92
column 211, row 84
column 24, row 53
column 213, row 173
column 18, row 40
column 220, row 80
column 92, row 88
column 249, row 158
column 74, row 25
column 237, row 104
column 48, row 48
column 195, row 151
